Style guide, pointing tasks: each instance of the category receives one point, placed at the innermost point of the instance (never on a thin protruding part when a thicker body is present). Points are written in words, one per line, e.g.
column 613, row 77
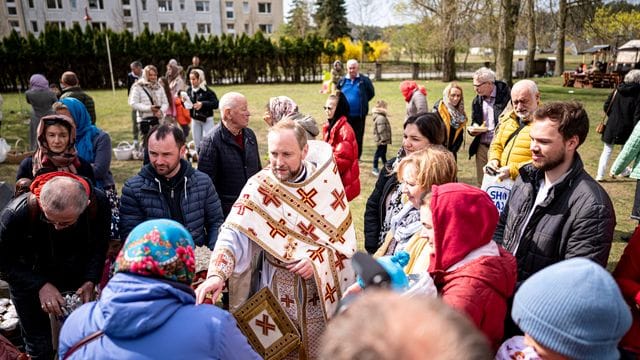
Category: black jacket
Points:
column 376, row 210
column 623, row 114
column 503, row 97
column 25, row 170
column 228, row 165
column 209, row 102
column 32, row 253
column 576, row 219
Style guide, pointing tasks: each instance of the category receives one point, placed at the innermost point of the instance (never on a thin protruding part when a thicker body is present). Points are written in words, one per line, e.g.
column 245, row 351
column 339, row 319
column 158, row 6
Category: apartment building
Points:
column 202, row 17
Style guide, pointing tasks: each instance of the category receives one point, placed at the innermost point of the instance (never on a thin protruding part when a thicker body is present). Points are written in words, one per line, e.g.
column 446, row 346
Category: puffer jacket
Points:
column 472, row 274
column 503, row 97
column 141, row 102
column 623, row 113
column 376, row 208
column 576, row 219
column 228, row 165
column 453, row 139
column 144, row 318
column 381, row 127
column 345, row 151
column 627, row 275
column 516, row 153
column 142, row 200
column 630, row 153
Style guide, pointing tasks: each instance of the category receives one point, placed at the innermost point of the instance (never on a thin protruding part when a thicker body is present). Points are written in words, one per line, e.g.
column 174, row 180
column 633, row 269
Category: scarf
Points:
column 281, row 106
column 203, row 81
column 38, row 82
column 67, row 160
column 144, row 81
column 85, row 131
column 404, row 225
column 39, row 181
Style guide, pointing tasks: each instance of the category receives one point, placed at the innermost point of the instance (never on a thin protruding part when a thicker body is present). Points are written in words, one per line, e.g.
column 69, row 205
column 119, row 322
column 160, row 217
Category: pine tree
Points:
column 298, row 19
column 331, row 18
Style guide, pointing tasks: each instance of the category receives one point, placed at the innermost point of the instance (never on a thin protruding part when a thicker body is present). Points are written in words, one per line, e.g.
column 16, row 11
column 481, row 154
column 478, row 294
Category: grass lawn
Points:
column 113, row 115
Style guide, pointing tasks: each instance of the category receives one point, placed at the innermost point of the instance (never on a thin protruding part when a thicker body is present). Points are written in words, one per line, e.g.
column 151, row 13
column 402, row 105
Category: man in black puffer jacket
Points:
column 556, row 211
column 229, row 154
column 168, row 187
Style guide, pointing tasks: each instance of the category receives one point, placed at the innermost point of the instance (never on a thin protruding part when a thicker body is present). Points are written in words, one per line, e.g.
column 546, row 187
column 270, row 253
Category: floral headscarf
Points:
column 85, row 131
column 144, row 79
column 281, row 106
column 66, row 160
column 159, row 248
column 38, row 82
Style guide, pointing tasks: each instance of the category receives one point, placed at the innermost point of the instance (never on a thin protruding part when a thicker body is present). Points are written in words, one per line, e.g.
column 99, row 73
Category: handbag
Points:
column 602, row 125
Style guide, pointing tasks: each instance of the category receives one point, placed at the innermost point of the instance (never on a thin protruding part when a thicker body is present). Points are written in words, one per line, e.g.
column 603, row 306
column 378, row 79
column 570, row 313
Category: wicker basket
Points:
column 19, row 152
column 123, row 151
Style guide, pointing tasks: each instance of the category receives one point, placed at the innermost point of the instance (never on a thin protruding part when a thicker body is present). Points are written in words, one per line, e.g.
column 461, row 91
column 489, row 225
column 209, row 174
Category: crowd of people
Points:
column 524, row 281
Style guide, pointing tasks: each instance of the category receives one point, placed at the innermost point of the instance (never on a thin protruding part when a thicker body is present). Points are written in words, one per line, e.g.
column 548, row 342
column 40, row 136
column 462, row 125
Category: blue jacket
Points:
column 366, row 91
column 145, row 318
column 142, row 200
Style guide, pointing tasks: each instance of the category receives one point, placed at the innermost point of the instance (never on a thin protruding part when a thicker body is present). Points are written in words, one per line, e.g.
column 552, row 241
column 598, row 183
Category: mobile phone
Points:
column 490, row 171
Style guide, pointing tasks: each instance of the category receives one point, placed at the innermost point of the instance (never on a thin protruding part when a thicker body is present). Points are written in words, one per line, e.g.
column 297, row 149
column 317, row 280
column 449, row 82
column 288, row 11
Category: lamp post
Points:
column 88, row 18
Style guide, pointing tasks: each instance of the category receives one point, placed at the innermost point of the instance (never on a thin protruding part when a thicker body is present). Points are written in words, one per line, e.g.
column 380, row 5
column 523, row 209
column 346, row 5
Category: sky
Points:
column 381, row 14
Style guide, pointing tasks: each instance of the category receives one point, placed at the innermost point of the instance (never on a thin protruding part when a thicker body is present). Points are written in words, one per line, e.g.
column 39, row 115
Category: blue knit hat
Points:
column 574, row 308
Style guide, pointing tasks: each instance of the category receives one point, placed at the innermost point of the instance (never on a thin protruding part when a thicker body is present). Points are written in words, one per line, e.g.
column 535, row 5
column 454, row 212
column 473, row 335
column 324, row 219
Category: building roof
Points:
column 596, row 48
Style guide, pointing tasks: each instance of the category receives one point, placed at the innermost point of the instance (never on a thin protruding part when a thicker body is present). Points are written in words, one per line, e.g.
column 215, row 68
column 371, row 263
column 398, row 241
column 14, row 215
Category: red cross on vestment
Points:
column 286, row 300
column 339, row 200
column 241, row 207
column 275, row 231
column 307, row 197
column 268, row 197
column 265, row 325
column 340, row 260
column 317, row 254
column 314, row 300
column 308, row 230
column 330, row 293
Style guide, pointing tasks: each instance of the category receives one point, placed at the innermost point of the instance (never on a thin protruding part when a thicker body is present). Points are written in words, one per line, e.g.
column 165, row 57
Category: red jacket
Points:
column 464, row 219
column 627, row 275
column 345, row 151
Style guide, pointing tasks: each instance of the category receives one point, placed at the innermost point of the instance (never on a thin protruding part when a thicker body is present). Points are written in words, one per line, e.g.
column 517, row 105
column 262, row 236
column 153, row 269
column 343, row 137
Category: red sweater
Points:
column 627, row 275
column 345, row 152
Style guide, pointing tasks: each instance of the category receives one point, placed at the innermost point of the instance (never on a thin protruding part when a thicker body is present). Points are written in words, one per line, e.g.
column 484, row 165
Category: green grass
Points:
column 114, row 116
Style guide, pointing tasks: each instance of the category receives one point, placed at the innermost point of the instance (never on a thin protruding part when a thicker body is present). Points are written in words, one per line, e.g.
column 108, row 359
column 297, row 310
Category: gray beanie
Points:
column 574, row 308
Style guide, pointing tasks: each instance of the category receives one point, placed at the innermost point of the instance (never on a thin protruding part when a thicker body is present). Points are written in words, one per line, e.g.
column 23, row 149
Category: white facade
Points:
column 199, row 17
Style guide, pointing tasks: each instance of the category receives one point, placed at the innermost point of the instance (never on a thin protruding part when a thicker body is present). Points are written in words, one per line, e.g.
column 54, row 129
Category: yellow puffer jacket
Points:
column 516, row 153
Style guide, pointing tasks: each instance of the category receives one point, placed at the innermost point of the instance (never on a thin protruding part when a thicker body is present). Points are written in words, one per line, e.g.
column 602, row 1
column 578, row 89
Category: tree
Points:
column 531, row 38
column 609, row 25
column 509, row 10
column 331, row 19
column 298, row 23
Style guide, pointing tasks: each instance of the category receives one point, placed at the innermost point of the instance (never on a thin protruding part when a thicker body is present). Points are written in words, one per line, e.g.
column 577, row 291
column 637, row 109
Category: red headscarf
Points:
column 39, row 181
column 408, row 87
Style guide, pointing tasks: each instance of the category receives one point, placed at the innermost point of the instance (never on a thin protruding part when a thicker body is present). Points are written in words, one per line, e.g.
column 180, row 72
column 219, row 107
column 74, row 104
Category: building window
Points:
column 128, row 25
column 144, row 5
column 126, row 12
column 54, row 4
column 145, row 25
column 96, row 4
column 58, row 24
column 166, row 26
column 184, row 26
column 245, row 7
column 165, row 5
column 74, row 4
column 99, row 25
column 11, row 10
column 266, row 28
column 181, row 4
column 264, row 8
column 229, row 9
column 231, row 29
column 34, row 26
column 202, row 6
column 204, row 28
column 246, row 28
column 126, row 2
column 15, row 25
column 30, row 4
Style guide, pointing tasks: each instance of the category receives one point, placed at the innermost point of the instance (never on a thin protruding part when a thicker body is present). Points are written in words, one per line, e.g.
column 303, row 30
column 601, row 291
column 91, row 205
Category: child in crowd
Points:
column 569, row 310
column 381, row 133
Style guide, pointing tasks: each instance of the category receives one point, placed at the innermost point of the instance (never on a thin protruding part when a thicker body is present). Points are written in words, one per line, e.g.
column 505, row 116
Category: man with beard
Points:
column 168, row 187
column 295, row 212
column 509, row 149
column 556, row 211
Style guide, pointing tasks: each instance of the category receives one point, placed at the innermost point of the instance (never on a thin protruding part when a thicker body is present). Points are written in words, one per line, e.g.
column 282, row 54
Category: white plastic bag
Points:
column 498, row 190
column 4, row 149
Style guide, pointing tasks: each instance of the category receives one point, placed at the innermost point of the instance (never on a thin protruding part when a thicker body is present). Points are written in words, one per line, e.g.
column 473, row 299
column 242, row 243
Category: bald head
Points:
column 525, row 98
column 69, row 78
column 235, row 111
column 64, row 194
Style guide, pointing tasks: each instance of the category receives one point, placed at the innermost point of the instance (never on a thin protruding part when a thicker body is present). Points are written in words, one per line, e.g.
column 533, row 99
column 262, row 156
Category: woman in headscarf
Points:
column 148, row 98
column 41, row 98
column 416, row 97
column 175, row 84
column 339, row 134
column 204, row 102
column 451, row 110
column 56, row 150
column 283, row 106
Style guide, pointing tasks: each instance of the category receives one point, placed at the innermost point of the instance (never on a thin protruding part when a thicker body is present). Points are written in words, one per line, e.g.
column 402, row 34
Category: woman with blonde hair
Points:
column 451, row 110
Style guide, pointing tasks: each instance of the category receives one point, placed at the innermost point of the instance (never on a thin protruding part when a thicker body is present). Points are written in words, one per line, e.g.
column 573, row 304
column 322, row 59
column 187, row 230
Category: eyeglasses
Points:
column 478, row 85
